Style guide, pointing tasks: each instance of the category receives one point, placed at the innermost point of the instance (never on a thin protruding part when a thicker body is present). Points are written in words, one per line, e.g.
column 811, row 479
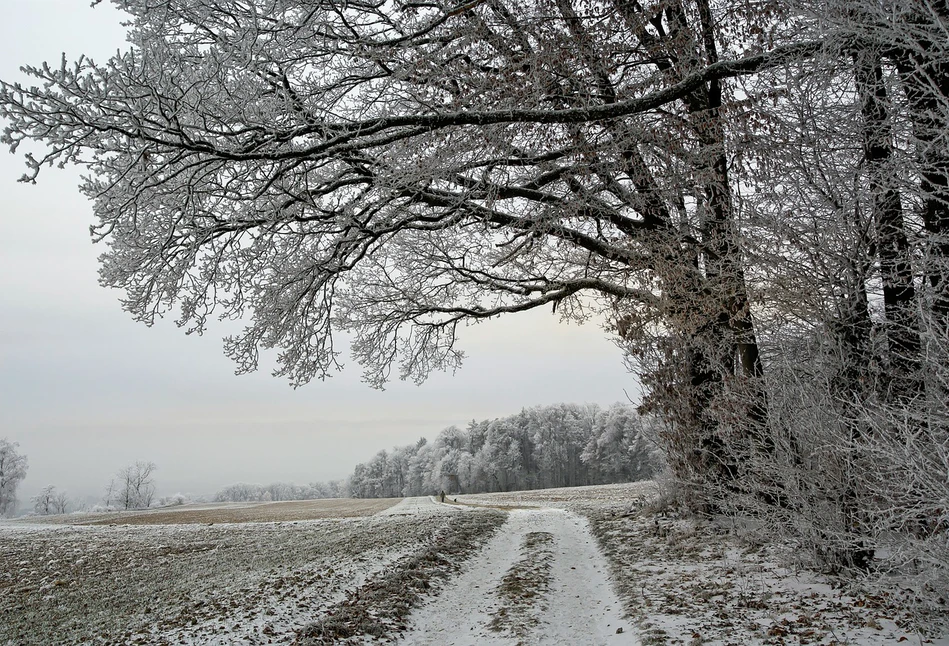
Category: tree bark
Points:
column 892, row 248
column 924, row 72
column 716, row 354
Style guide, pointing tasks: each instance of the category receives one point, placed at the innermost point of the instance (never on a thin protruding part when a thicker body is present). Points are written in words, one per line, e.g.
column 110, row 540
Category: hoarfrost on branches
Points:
column 13, row 467
column 387, row 170
column 753, row 196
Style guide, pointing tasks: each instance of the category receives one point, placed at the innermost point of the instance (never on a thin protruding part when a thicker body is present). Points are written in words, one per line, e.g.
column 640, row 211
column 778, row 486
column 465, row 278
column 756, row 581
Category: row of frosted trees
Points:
column 554, row 446
column 277, row 491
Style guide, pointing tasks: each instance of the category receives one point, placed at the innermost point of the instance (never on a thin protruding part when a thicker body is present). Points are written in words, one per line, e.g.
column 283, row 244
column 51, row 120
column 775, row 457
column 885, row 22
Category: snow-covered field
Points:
column 203, row 582
column 583, row 500
column 570, row 566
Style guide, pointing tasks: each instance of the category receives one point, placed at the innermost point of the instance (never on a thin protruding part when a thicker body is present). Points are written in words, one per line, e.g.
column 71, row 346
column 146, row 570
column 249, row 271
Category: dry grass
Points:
column 689, row 582
column 524, row 586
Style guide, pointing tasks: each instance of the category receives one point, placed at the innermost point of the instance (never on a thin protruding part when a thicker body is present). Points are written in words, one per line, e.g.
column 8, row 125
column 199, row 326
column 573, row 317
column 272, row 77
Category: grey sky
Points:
column 85, row 390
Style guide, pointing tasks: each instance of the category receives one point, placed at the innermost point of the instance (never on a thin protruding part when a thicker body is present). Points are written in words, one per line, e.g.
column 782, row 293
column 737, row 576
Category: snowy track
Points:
column 424, row 505
column 540, row 580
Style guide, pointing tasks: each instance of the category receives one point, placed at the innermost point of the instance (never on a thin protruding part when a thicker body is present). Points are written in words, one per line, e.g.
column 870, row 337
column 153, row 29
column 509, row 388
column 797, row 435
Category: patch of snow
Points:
column 424, row 505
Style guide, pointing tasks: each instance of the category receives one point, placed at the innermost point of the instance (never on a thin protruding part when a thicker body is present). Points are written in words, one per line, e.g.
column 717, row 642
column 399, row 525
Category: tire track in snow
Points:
column 579, row 607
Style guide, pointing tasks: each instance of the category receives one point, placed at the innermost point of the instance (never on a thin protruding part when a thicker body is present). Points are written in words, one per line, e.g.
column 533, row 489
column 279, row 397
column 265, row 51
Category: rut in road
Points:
column 540, row 580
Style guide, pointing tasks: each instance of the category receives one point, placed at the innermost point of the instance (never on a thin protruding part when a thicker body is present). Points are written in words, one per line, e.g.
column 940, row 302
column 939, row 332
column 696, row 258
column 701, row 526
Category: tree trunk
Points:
column 724, row 262
column 715, row 356
column 924, row 72
column 892, row 249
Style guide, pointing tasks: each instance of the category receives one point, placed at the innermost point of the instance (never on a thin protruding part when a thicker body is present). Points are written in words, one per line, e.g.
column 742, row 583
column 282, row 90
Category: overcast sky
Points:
column 85, row 390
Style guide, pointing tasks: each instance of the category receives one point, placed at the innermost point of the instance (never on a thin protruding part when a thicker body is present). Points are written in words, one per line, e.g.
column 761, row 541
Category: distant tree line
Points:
column 563, row 445
column 242, row 492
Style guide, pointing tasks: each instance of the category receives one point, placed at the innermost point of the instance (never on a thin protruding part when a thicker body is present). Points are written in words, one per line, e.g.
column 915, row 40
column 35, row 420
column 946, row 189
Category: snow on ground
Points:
column 540, row 580
column 249, row 583
column 691, row 582
column 697, row 582
column 626, row 497
column 424, row 505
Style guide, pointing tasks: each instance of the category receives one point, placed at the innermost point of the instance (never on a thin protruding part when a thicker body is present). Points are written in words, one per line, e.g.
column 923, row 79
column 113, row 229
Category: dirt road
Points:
column 540, row 580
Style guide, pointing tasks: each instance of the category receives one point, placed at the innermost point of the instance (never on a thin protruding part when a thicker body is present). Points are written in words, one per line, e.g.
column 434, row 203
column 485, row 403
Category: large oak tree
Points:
column 721, row 182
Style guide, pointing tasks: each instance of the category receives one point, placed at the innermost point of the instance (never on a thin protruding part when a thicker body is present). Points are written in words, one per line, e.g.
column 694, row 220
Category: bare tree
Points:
column 13, row 467
column 395, row 172
column 46, row 502
column 60, row 503
column 133, row 486
column 109, row 498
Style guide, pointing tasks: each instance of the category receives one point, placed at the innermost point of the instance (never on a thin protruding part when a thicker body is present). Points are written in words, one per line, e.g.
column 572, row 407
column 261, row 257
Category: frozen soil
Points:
column 246, row 512
column 582, row 566
column 380, row 607
column 252, row 583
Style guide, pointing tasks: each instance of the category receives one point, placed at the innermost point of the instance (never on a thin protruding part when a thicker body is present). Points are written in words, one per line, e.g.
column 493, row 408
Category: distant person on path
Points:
column 442, row 495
